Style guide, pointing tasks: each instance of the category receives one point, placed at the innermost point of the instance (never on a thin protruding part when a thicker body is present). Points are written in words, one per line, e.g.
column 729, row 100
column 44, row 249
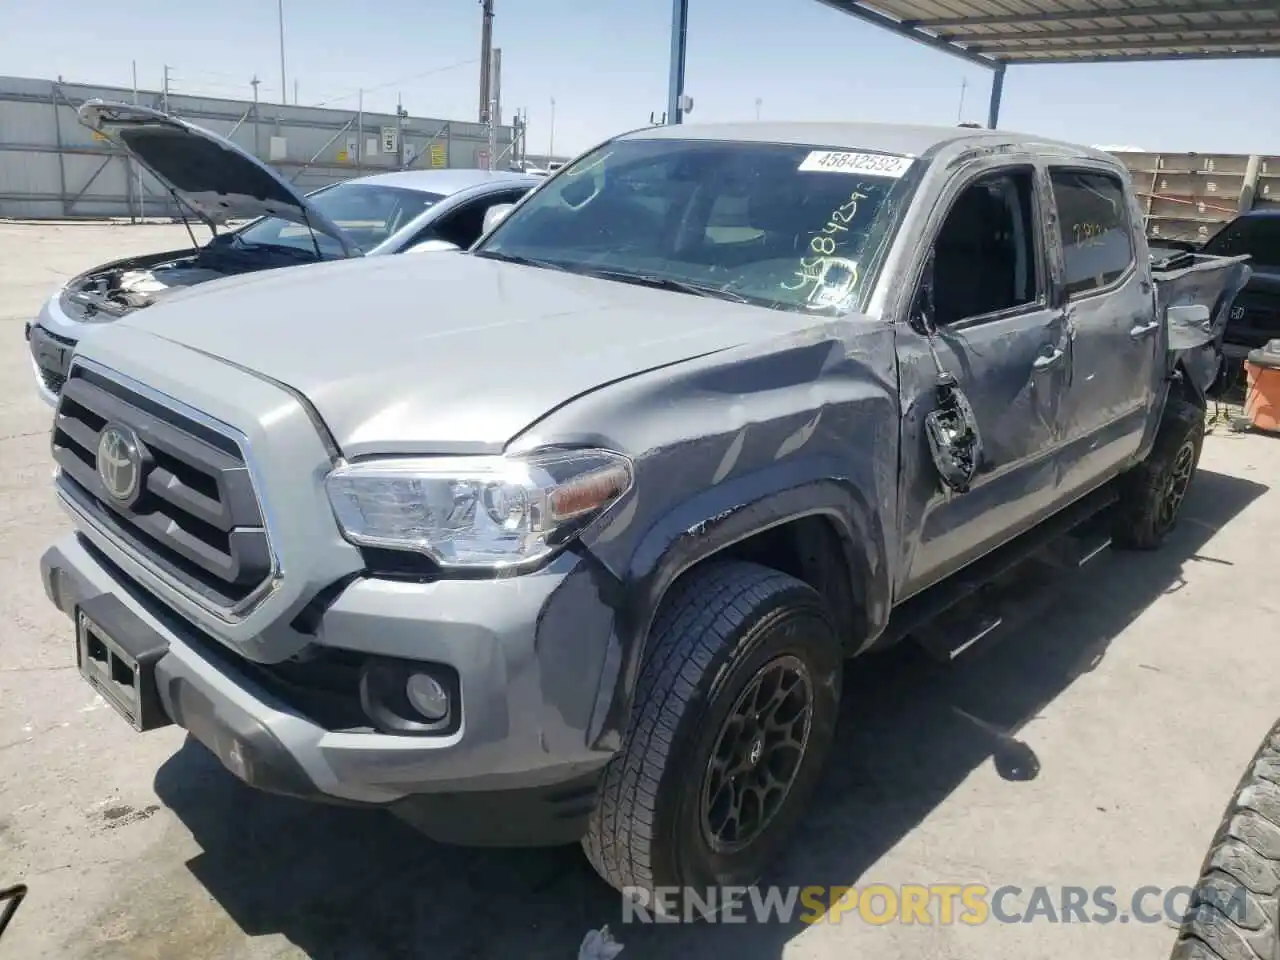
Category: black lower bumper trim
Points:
column 244, row 746
column 549, row 816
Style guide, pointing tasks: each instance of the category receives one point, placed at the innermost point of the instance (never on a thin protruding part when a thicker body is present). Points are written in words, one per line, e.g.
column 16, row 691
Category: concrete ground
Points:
column 1094, row 745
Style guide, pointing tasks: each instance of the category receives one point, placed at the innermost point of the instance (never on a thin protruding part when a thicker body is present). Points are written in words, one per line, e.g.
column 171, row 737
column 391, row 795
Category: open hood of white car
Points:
column 209, row 174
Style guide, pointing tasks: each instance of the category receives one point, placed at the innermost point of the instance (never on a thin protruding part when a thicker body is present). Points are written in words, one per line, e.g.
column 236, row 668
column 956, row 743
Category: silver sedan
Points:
column 216, row 183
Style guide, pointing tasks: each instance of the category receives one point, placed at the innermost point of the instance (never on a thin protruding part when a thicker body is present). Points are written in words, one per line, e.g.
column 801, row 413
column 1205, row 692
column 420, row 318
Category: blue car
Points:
column 216, row 182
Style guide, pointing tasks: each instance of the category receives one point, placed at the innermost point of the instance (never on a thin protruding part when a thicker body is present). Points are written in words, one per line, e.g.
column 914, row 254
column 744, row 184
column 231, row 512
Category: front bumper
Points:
column 530, row 656
column 50, row 359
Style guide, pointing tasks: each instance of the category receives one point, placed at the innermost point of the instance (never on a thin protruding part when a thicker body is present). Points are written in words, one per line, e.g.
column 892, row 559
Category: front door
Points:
column 1116, row 339
column 1007, row 349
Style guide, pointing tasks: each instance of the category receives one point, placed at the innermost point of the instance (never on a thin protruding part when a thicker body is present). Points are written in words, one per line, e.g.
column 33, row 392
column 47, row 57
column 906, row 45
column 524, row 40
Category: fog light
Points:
column 427, row 696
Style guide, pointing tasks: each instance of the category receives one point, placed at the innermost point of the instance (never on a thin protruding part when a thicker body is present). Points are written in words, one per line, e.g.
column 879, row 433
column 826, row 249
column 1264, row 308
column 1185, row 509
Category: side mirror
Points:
column 495, row 215
column 433, row 246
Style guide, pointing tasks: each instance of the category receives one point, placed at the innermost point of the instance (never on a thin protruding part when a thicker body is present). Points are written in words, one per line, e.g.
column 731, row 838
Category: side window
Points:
column 985, row 252
column 1093, row 217
column 464, row 225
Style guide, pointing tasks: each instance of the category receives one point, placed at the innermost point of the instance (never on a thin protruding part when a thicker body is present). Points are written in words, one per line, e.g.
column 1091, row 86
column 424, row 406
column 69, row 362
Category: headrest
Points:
column 974, row 211
column 776, row 209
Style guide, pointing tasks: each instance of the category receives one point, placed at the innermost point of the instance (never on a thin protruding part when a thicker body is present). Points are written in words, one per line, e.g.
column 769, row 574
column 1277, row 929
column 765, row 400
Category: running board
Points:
column 969, row 606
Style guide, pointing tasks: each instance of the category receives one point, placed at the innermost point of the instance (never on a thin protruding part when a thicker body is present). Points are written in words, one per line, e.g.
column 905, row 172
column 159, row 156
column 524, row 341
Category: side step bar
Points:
column 953, row 616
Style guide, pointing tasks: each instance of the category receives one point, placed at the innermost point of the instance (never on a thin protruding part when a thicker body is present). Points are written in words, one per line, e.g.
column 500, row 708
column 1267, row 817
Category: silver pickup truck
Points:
column 568, row 536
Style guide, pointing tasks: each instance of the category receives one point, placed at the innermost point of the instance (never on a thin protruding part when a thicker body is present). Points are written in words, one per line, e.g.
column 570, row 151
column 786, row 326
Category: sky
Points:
column 605, row 64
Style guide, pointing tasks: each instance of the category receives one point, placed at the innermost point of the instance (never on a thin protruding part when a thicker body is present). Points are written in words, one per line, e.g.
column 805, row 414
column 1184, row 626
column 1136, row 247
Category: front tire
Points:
column 735, row 710
column 1151, row 494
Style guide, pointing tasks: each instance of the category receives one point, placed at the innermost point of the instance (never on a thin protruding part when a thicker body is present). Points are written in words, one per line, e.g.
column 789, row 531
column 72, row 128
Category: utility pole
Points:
column 254, row 83
column 759, row 104
column 524, row 137
column 360, row 131
column 284, row 87
column 137, row 169
column 964, row 83
column 401, row 115
column 493, row 137
column 496, row 82
column 551, row 139
column 165, row 94
column 295, row 91
column 486, row 58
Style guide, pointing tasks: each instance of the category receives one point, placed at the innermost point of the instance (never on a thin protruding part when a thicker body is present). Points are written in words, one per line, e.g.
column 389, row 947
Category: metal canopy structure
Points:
column 999, row 33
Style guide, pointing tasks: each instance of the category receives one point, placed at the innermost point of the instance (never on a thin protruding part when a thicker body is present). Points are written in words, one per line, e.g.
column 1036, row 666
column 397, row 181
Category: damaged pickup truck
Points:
column 575, row 548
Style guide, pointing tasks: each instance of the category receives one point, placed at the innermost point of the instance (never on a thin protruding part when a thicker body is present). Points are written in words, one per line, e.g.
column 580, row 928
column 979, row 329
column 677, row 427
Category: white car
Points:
column 217, row 182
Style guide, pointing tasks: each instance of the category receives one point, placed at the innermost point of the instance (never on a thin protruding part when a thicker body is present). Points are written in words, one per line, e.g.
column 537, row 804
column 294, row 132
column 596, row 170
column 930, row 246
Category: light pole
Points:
column 759, row 103
column 551, row 141
column 284, row 89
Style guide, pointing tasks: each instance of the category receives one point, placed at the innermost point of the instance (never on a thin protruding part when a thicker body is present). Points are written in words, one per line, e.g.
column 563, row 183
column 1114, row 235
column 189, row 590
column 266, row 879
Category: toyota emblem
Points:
column 119, row 462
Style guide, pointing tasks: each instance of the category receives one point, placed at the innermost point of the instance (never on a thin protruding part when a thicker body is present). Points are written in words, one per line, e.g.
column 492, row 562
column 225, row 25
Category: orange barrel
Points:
column 1262, row 401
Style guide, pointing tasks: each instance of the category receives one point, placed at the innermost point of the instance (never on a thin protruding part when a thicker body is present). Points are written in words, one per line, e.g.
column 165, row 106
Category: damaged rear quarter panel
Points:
column 726, row 446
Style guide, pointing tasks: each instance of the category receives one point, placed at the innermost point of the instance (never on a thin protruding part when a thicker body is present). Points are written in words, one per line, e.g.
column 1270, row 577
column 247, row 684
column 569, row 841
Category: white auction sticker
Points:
column 868, row 164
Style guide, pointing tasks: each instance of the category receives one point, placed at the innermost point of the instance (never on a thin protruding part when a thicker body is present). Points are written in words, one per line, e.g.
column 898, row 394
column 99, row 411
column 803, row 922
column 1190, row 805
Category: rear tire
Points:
column 1233, row 913
column 735, row 709
column 1151, row 494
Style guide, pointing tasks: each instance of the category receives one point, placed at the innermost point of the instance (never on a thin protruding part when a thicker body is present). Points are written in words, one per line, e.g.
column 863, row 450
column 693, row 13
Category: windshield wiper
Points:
column 298, row 253
column 523, row 261
column 667, row 283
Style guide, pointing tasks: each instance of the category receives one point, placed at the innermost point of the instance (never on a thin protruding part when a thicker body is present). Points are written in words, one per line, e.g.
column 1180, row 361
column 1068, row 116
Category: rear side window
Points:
column 1093, row 217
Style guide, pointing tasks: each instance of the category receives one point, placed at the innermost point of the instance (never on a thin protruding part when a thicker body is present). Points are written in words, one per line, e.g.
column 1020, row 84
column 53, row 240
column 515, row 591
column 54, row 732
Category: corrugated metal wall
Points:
column 1189, row 196
column 52, row 167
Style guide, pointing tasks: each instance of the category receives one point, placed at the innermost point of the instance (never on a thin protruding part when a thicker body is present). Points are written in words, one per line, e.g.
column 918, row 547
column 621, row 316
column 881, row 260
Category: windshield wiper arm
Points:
column 248, row 246
column 669, row 283
column 523, row 261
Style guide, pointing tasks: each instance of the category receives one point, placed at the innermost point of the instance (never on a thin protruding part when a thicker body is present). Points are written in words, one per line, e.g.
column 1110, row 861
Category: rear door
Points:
column 1111, row 319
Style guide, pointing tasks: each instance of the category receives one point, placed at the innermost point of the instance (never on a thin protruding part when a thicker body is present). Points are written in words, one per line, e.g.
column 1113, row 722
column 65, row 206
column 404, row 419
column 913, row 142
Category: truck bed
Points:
column 1197, row 278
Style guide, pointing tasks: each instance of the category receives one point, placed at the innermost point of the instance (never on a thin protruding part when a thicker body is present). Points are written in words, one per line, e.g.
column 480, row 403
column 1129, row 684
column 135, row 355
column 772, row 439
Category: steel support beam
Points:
column 70, row 205
column 679, row 48
column 1016, row 61
column 905, row 29
column 997, row 93
column 1077, row 16
column 1232, row 31
column 1246, row 47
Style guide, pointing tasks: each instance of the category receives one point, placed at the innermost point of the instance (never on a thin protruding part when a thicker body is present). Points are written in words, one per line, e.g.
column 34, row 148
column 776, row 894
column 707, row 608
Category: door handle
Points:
column 1048, row 360
column 1142, row 329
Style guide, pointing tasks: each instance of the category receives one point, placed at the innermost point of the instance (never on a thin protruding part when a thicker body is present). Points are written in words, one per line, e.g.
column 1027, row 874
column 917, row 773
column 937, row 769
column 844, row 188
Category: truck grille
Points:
column 172, row 490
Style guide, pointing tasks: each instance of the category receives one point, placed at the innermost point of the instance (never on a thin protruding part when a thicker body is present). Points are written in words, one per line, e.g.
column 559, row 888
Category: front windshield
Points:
column 367, row 214
column 784, row 226
column 1259, row 237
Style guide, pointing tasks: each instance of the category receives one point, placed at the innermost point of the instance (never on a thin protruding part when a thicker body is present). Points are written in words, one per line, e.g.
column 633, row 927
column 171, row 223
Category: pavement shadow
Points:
column 345, row 884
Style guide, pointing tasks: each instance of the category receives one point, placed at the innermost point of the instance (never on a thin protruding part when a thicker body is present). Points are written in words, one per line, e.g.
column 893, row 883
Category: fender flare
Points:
column 717, row 518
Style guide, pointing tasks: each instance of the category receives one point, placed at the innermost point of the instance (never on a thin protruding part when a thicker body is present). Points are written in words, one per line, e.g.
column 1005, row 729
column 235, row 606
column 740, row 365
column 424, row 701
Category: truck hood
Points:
column 206, row 172
column 448, row 354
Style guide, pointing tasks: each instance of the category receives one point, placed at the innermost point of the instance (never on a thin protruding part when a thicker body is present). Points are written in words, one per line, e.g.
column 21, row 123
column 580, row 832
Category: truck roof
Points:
column 896, row 138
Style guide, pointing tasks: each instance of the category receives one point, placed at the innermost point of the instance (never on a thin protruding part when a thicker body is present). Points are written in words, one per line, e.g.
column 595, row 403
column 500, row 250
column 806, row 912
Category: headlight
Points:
column 476, row 512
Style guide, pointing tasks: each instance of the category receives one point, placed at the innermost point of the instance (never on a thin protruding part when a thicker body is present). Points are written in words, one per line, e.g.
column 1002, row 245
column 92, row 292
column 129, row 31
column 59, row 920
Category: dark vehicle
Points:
column 574, row 548
column 1255, row 316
